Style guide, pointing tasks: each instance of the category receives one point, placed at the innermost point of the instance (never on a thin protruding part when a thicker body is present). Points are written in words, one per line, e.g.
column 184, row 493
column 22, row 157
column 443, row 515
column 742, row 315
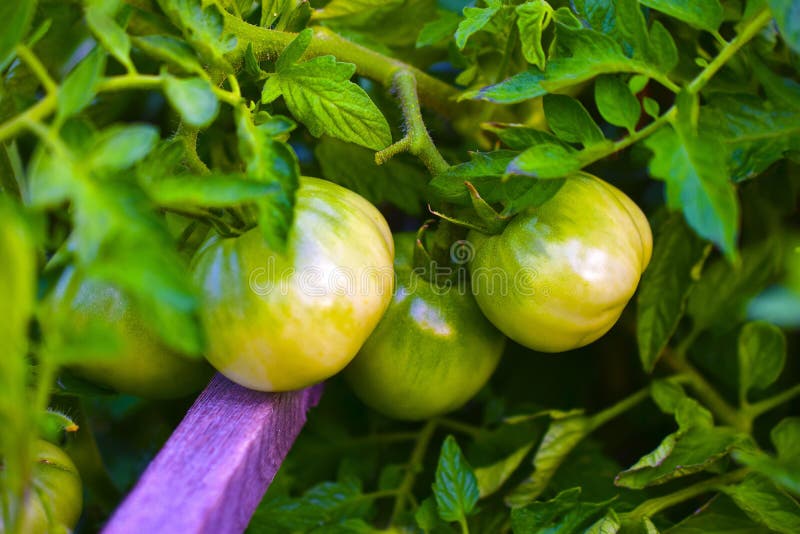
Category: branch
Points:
column 417, row 140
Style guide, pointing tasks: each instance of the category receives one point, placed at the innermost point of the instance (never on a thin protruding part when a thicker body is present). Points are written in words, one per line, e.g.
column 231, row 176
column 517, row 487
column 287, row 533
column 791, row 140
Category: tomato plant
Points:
column 155, row 211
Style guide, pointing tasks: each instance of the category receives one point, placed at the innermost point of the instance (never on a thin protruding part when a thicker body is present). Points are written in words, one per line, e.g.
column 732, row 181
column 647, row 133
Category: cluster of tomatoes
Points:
column 345, row 294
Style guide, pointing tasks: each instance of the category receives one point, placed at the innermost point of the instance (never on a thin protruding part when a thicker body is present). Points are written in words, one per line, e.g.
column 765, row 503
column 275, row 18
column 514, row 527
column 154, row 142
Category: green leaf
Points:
column 766, row 504
column 491, row 477
column 15, row 20
column 581, row 54
column 427, row 517
column 274, row 163
column 119, row 147
column 202, row 27
column 785, row 469
column 50, row 182
column 564, row 514
column 616, row 103
column 520, row 137
column 570, row 121
column 436, row 31
column 113, row 38
column 722, row 292
column 664, row 287
column 762, row 354
column 545, row 161
column 651, row 107
column 662, row 48
column 272, row 10
column 455, row 487
column 608, row 524
column 787, row 15
column 295, row 50
column 563, row 434
column 475, row 18
column 396, row 181
column 345, row 8
column 719, row 515
column 693, row 166
column 193, row 98
column 702, row 14
column 18, row 285
column 170, row 49
column 208, row 191
column 683, row 453
column 319, row 94
column 80, row 85
column 532, row 18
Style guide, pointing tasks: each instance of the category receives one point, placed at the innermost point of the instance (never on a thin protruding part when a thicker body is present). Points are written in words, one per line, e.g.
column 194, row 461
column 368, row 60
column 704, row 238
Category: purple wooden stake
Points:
column 216, row 466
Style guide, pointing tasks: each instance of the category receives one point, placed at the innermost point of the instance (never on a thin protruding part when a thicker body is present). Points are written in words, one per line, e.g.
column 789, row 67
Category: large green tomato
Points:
column 558, row 276
column 431, row 352
column 141, row 363
column 278, row 321
column 55, row 503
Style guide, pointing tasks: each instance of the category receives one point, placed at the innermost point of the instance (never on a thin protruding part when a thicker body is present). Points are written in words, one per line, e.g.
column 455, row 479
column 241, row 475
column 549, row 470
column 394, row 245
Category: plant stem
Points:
column 723, row 410
column 463, row 524
column 458, row 426
column 749, row 31
column 651, row 507
column 417, row 140
column 268, row 44
column 414, row 466
column 37, row 68
column 754, row 410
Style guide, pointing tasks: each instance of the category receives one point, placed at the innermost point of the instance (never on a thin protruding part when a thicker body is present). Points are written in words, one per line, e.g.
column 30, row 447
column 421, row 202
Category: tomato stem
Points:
column 404, row 491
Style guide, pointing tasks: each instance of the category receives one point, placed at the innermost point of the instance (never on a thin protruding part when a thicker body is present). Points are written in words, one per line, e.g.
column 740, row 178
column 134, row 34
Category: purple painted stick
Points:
column 216, row 466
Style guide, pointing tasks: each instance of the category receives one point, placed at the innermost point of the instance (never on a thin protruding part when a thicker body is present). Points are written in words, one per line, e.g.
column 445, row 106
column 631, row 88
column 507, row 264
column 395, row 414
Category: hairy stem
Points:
column 417, row 140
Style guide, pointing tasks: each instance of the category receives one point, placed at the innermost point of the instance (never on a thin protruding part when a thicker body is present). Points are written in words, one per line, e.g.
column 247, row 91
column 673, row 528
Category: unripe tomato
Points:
column 558, row 276
column 432, row 351
column 141, row 363
column 278, row 321
column 56, row 499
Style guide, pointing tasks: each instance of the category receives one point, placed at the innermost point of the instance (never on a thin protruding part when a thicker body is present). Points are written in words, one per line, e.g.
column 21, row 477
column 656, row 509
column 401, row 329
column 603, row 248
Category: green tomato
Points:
column 56, row 498
column 558, row 276
column 432, row 351
column 141, row 364
column 282, row 320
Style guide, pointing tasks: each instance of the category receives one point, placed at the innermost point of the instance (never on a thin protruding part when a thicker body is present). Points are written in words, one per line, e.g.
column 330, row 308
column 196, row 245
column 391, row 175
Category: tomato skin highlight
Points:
column 142, row 364
column 432, row 351
column 56, row 498
column 558, row 276
column 279, row 321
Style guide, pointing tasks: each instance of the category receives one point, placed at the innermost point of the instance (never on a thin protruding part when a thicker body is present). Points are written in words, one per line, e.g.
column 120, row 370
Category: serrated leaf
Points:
column 80, row 85
column 119, row 147
column 438, row 30
column 570, row 121
column 319, row 94
column 564, row 514
column 294, row 50
column 762, row 354
column 202, row 26
column 766, row 504
column 396, row 181
column 664, row 287
column 475, row 19
column 193, row 98
column 693, row 166
column 15, row 18
column 702, row 14
column 563, row 434
column 616, row 103
column 109, row 33
column 455, row 487
column 532, row 18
